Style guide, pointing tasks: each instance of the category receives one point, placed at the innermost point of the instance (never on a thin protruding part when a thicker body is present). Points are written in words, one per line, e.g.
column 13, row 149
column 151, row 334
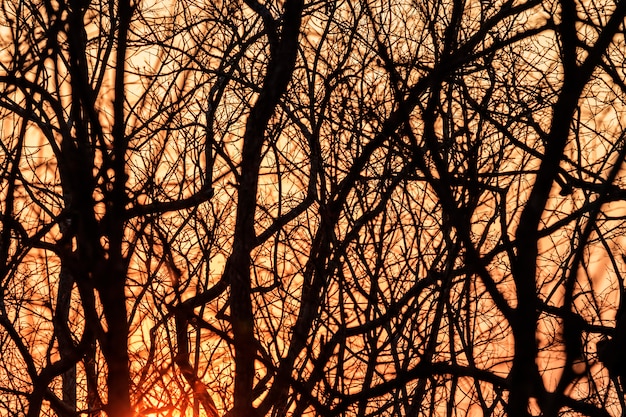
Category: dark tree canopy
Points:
column 312, row 208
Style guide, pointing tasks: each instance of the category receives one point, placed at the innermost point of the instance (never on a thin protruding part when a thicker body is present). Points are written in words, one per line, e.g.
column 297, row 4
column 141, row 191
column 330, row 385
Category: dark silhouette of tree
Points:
column 348, row 208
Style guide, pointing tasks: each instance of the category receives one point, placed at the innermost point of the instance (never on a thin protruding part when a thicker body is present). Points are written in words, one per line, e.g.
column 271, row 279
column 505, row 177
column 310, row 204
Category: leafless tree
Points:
column 347, row 208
